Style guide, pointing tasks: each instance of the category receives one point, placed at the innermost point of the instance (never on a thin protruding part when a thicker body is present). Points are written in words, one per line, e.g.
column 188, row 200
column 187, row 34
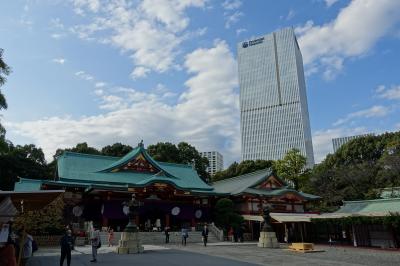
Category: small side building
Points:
column 364, row 223
column 252, row 192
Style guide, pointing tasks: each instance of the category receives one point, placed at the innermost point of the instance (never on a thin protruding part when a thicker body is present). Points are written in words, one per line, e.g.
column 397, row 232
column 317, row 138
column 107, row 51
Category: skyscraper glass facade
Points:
column 273, row 100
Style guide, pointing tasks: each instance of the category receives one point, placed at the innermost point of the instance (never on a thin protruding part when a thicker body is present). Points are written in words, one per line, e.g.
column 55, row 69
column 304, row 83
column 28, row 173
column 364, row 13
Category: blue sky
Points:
column 122, row 71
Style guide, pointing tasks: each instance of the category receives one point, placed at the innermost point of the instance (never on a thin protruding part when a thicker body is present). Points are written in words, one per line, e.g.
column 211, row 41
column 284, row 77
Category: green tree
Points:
column 226, row 216
column 183, row 153
column 4, row 71
column 292, row 167
column 117, row 149
column 164, row 152
column 21, row 161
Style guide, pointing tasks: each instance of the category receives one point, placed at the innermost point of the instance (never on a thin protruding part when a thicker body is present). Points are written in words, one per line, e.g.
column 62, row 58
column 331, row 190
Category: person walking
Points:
column 204, row 234
column 67, row 245
column 166, row 232
column 110, row 237
column 96, row 243
column 27, row 249
column 185, row 235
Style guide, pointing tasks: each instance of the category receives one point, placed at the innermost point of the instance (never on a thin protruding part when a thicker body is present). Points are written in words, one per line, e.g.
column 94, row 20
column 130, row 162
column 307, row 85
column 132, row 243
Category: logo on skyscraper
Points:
column 245, row 44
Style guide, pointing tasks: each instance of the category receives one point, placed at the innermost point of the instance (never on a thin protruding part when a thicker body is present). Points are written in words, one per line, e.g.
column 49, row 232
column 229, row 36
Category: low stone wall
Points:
column 48, row 240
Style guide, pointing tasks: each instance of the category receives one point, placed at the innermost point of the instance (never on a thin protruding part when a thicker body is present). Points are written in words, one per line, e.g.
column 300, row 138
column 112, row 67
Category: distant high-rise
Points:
column 273, row 101
column 216, row 161
column 338, row 142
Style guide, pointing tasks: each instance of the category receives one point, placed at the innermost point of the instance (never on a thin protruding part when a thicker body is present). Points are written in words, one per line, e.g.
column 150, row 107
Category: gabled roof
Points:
column 247, row 184
column 86, row 169
column 370, row 206
column 238, row 184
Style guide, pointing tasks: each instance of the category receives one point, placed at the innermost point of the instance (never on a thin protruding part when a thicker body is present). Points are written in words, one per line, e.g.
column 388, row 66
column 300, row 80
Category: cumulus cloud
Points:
column 330, row 3
column 206, row 113
column 150, row 31
column 231, row 19
column 100, row 84
column 231, row 4
column 374, row 111
column 392, row 93
column 60, row 61
column 355, row 30
column 83, row 75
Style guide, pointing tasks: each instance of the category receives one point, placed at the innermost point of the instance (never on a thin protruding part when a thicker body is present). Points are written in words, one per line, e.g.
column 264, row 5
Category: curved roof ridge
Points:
column 242, row 176
column 371, row 200
column 89, row 155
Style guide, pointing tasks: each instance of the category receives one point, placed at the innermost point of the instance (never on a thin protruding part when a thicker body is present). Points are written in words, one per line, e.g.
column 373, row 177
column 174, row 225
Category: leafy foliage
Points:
column 292, row 167
column 117, row 149
column 20, row 161
column 182, row 153
column 357, row 170
column 225, row 215
column 45, row 221
column 244, row 167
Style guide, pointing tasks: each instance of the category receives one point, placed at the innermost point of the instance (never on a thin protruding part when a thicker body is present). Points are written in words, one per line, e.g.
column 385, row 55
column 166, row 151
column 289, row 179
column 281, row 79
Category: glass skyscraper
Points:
column 273, row 101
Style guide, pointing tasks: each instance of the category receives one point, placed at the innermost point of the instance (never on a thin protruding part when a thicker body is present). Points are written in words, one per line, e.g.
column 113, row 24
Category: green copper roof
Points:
column 95, row 169
column 279, row 192
column 370, row 206
column 238, row 184
column 27, row 185
column 245, row 184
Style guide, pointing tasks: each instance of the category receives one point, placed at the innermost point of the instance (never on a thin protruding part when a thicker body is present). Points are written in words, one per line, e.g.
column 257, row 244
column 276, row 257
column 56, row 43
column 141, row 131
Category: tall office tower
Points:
column 273, row 101
column 338, row 142
column 216, row 161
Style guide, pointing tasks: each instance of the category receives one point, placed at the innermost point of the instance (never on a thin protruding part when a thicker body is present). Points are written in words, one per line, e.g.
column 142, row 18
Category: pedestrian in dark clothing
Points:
column 67, row 245
column 204, row 234
column 185, row 235
column 166, row 232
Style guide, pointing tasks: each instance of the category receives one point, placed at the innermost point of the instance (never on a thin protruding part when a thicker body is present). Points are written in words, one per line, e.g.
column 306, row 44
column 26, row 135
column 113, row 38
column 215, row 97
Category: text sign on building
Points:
column 253, row 42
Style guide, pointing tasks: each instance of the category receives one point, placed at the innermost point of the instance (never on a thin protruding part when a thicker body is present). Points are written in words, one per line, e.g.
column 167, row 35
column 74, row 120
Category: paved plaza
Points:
column 222, row 254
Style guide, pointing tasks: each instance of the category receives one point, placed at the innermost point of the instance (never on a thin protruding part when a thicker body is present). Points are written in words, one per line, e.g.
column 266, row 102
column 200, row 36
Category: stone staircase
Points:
column 158, row 238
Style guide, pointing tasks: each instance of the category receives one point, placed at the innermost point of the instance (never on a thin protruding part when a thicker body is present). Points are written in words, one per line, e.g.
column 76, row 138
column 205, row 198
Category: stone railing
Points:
column 47, row 240
column 218, row 233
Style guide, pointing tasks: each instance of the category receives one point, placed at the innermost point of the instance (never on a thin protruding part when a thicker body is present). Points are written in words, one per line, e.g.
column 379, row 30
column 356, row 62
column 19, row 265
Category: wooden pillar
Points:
column 193, row 222
column 105, row 221
column 167, row 222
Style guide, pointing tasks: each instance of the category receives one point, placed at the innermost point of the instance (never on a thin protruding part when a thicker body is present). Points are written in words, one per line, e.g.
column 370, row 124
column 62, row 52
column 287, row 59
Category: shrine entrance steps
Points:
column 158, row 238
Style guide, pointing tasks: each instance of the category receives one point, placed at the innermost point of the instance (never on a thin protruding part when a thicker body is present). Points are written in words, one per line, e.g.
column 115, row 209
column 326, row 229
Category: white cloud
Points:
column 80, row 5
column 83, row 75
column 390, row 94
column 206, row 114
column 240, row 31
column 60, row 61
column 290, row 15
column 330, row 3
column 231, row 19
column 150, row 32
column 356, row 29
column 139, row 72
column 322, row 139
column 374, row 111
column 231, row 4
column 100, row 84
column 57, row 36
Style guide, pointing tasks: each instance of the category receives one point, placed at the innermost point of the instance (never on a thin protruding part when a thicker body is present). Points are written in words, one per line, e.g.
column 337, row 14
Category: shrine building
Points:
column 97, row 186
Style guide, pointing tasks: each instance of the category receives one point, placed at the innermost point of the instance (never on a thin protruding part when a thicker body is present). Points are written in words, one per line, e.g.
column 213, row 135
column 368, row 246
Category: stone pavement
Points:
column 224, row 253
column 153, row 257
column 344, row 256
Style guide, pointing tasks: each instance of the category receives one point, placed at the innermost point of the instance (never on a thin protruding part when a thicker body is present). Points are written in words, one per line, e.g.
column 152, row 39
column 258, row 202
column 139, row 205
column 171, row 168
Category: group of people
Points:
column 67, row 244
column 185, row 234
column 15, row 246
